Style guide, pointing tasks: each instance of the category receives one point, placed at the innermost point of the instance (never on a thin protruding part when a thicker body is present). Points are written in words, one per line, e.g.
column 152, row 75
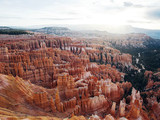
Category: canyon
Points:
column 45, row 76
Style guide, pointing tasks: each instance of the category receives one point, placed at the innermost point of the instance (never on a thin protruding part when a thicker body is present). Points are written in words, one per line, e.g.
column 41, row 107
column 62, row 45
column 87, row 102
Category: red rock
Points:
column 122, row 108
column 113, row 108
column 60, row 78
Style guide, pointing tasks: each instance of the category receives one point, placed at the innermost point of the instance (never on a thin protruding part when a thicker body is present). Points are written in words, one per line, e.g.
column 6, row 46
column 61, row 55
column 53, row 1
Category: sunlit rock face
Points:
column 122, row 108
column 110, row 56
column 47, row 77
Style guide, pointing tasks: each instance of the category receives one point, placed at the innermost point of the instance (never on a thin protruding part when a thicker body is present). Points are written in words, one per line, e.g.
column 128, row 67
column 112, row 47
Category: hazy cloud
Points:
column 58, row 18
column 128, row 4
column 122, row 12
column 132, row 21
column 154, row 14
column 112, row 1
column 8, row 17
column 139, row 6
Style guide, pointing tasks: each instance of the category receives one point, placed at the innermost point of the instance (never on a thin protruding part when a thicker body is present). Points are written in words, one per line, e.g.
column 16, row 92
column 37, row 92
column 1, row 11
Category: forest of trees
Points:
column 13, row 31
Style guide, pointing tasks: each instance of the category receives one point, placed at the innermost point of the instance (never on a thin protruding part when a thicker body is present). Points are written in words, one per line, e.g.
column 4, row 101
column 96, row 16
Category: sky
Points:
column 137, row 13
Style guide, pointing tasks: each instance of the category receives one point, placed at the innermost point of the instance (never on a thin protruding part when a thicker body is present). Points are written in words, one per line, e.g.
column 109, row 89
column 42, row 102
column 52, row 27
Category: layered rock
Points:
column 110, row 56
column 55, row 76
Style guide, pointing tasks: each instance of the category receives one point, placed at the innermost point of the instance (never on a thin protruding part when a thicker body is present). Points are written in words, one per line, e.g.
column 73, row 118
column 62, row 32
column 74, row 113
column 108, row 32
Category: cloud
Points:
column 134, row 21
column 130, row 4
column 112, row 1
column 139, row 6
column 8, row 17
column 58, row 18
column 154, row 14
column 134, row 12
column 72, row 13
column 127, row 4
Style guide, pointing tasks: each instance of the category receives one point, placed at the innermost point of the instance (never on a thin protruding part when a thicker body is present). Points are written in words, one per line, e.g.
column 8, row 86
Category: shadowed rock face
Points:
column 55, row 77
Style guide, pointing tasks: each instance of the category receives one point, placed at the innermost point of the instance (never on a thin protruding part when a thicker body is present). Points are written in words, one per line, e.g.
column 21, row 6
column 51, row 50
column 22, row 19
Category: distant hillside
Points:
column 10, row 31
column 64, row 31
column 152, row 33
column 135, row 41
column 4, row 27
column 60, row 31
